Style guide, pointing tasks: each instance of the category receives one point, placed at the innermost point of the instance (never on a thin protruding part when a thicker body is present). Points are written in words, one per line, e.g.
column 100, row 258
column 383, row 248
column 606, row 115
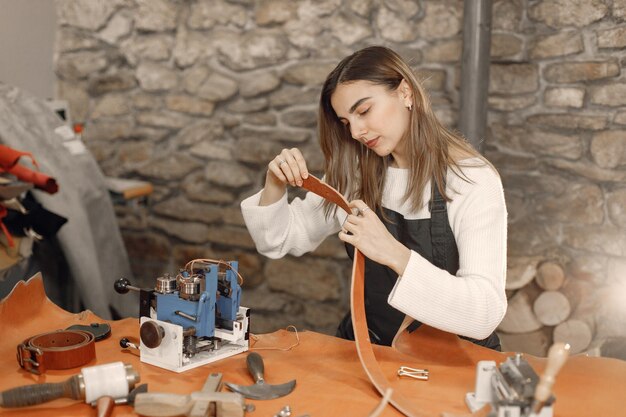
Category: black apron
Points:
column 431, row 238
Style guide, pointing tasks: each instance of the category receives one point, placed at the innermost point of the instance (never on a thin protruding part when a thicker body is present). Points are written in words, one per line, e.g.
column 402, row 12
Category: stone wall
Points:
column 197, row 97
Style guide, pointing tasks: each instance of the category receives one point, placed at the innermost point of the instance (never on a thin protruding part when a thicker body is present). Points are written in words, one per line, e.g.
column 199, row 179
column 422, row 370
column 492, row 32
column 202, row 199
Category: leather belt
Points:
column 61, row 349
column 357, row 307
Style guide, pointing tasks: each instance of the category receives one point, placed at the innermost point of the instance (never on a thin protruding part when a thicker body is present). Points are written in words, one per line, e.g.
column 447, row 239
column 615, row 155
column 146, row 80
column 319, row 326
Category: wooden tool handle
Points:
column 256, row 366
column 162, row 405
column 557, row 355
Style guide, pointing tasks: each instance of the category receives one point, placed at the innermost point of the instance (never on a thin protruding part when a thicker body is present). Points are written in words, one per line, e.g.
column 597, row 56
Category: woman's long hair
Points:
column 358, row 173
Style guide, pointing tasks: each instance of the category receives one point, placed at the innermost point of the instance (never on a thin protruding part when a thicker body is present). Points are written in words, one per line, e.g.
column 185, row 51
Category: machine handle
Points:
column 123, row 285
column 40, row 393
column 162, row 404
column 256, row 367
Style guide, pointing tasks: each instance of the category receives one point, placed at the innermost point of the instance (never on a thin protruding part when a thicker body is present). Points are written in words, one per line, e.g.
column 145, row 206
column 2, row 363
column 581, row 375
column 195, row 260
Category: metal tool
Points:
column 105, row 405
column 208, row 402
column 286, row 412
column 193, row 318
column 113, row 379
column 260, row 390
column 513, row 389
column 129, row 399
column 416, row 373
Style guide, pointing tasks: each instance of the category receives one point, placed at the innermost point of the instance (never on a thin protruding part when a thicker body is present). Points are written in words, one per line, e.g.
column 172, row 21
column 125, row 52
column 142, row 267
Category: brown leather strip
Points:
column 357, row 306
column 61, row 349
column 317, row 186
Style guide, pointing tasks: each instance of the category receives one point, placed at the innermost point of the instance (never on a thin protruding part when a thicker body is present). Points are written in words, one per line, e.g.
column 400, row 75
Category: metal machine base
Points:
column 169, row 354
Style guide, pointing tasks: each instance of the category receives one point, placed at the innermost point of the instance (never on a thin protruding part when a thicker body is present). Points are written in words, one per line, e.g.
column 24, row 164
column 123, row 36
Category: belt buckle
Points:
column 25, row 358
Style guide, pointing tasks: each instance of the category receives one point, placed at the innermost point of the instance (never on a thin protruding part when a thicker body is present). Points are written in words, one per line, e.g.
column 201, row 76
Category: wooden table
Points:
column 330, row 381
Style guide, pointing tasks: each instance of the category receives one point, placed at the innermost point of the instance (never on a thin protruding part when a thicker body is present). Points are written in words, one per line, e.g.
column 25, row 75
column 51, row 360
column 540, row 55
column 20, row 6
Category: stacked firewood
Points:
column 547, row 306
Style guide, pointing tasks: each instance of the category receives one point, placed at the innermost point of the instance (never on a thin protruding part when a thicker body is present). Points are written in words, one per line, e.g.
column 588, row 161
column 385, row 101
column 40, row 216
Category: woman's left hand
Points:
column 366, row 232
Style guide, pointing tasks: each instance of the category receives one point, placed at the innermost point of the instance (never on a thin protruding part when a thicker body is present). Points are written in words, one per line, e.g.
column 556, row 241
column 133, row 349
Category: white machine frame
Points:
column 169, row 354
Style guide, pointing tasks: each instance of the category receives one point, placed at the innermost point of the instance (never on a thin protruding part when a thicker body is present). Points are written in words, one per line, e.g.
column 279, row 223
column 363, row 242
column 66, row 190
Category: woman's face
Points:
column 376, row 117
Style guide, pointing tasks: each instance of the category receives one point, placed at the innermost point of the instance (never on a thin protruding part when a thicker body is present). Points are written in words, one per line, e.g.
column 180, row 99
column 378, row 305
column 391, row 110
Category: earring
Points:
column 410, row 106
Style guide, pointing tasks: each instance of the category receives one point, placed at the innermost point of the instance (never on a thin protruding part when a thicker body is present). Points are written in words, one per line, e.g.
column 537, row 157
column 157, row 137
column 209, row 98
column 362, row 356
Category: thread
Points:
column 105, row 380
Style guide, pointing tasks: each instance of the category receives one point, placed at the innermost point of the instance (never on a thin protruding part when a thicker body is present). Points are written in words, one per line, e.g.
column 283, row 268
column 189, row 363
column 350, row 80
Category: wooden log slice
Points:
column 520, row 317
column 552, row 308
column 550, row 276
column 534, row 343
column 575, row 332
column 520, row 271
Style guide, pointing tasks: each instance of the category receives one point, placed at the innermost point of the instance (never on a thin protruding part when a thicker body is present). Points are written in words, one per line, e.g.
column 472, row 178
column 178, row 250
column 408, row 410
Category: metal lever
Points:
column 127, row 344
column 122, row 286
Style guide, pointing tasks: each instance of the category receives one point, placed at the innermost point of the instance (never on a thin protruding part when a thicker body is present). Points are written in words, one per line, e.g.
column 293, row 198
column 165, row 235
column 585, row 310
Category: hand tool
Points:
column 114, row 379
column 557, row 355
column 260, row 390
column 208, row 402
column 286, row 412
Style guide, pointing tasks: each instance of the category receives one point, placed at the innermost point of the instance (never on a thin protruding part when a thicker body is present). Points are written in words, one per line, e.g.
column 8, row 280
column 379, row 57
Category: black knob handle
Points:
column 127, row 344
column 121, row 286
column 151, row 334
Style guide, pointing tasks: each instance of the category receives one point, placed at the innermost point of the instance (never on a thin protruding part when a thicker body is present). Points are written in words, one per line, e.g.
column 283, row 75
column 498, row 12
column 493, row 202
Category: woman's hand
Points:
column 366, row 232
column 288, row 167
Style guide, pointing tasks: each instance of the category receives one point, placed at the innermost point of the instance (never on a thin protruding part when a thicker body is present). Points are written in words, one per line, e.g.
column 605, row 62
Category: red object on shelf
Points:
column 8, row 163
column 9, row 158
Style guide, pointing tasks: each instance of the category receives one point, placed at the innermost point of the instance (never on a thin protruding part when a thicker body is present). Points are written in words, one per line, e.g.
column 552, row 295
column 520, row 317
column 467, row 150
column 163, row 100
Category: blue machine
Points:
column 208, row 298
column 193, row 318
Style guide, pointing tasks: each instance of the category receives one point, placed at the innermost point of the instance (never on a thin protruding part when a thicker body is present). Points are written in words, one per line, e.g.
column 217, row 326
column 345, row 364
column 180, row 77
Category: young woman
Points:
column 429, row 213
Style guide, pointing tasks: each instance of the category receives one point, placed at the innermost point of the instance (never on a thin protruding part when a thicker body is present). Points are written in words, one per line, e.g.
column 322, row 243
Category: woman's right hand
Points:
column 288, row 167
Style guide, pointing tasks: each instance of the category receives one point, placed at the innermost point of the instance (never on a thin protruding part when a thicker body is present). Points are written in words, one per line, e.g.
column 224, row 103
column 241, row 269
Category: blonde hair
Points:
column 357, row 173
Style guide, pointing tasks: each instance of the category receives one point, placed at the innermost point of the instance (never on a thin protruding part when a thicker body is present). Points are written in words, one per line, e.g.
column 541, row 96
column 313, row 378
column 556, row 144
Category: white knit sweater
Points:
column 471, row 303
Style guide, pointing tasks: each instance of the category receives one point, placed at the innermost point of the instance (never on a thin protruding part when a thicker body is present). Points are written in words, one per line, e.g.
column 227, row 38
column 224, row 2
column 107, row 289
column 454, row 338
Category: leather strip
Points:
column 40, row 180
column 357, row 307
column 61, row 349
column 9, row 157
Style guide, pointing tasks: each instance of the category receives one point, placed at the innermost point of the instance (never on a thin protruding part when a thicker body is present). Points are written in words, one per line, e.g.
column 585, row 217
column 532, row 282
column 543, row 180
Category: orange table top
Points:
column 329, row 377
